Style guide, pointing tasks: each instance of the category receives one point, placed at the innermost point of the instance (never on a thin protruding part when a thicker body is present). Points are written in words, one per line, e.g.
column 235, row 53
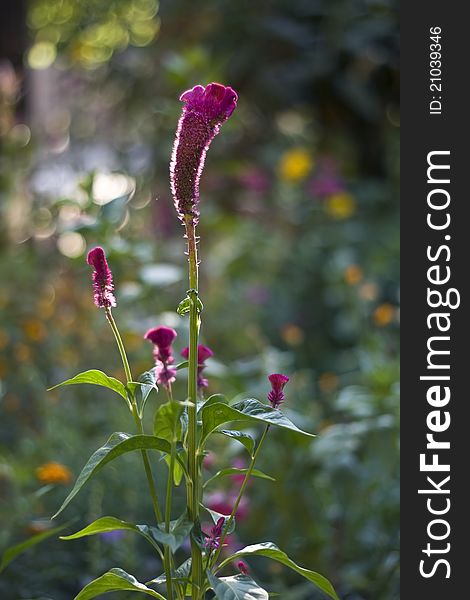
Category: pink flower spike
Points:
column 242, row 568
column 276, row 395
column 204, row 111
column 102, row 278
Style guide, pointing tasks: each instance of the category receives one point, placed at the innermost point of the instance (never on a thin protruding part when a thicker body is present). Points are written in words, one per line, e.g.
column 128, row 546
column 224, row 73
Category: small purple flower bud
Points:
column 162, row 338
column 102, row 278
column 213, row 538
column 204, row 112
column 242, row 568
column 203, row 353
column 276, row 395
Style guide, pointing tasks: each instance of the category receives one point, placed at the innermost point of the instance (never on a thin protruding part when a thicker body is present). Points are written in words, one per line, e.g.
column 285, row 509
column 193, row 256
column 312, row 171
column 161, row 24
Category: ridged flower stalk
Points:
column 204, row 111
column 193, row 497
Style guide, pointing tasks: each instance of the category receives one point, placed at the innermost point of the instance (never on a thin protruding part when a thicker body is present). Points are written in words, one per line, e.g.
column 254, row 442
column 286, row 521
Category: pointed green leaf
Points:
column 235, row 471
column 14, row 551
column 95, row 377
column 114, row 581
column 179, row 530
column 237, row 587
column 119, row 443
column 241, row 437
column 246, row 411
column 271, row 551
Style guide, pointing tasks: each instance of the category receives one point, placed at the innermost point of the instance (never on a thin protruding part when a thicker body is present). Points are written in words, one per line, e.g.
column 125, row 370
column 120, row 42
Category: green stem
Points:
column 169, row 496
column 193, row 481
column 240, row 495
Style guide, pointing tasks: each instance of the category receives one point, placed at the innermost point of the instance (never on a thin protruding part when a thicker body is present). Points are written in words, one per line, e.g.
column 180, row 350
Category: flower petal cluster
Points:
column 213, row 538
column 102, row 278
column 204, row 111
column 162, row 339
column 276, row 395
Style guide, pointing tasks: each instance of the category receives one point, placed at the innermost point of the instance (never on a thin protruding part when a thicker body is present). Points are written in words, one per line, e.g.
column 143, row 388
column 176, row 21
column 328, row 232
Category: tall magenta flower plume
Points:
column 276, row 395
column 203, row 353
column 102, row 278
column 204, row 111
column 162, row 339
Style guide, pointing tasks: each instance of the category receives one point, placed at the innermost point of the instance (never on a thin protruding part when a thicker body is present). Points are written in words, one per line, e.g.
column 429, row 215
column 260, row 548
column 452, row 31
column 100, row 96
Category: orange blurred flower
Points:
column 53, row 472
column 353, row 274
column 384, row 314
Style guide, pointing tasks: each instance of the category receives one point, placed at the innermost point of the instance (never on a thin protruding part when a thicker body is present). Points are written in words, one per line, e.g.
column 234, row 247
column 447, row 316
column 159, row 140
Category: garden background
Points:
column 299, row 248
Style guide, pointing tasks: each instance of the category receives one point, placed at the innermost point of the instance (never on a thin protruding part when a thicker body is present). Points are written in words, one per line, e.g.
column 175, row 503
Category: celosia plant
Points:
column 183, row 426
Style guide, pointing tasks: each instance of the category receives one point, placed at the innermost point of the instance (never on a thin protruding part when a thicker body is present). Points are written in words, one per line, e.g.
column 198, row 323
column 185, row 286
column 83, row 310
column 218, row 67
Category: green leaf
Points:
column 213, row 400
column 241, row 437
column 215, row 516
column 148, row 383
column 12, row 552
column 182, row 365
column 119, row 443
column 95, row 377
column 113, row 581
column 271, row 551
column 167, row 424
column 246, row 411
column 237, row 587
column 179, row 531
column 235, row 471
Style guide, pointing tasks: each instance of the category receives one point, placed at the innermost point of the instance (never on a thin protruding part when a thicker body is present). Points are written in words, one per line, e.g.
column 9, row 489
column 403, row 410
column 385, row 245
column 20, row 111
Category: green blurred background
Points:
column 299, row 248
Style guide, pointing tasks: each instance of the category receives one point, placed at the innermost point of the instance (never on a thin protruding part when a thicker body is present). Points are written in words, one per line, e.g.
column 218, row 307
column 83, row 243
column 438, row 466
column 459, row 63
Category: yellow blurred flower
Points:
column 341, row 205
column 353, row 274
column 292, row 334
column 53, row 472
column 384, row 314
column 328, row 381
column 34, row 330
column 295, row 165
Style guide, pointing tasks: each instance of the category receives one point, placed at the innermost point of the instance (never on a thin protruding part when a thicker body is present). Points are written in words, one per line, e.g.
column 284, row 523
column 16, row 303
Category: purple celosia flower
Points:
column 204, row 112
column 102, row 278
column 162, row 338
column 276, row 395
column 242, row 568
column 213, row 538
column 203, row 353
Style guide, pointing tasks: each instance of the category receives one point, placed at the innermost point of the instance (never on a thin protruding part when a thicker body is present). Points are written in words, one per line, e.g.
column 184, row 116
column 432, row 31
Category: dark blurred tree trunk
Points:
column 13, row 31
column 13, row 39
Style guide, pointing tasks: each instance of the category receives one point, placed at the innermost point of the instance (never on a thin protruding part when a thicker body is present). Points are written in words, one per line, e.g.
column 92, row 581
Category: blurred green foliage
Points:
column 299, row 248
